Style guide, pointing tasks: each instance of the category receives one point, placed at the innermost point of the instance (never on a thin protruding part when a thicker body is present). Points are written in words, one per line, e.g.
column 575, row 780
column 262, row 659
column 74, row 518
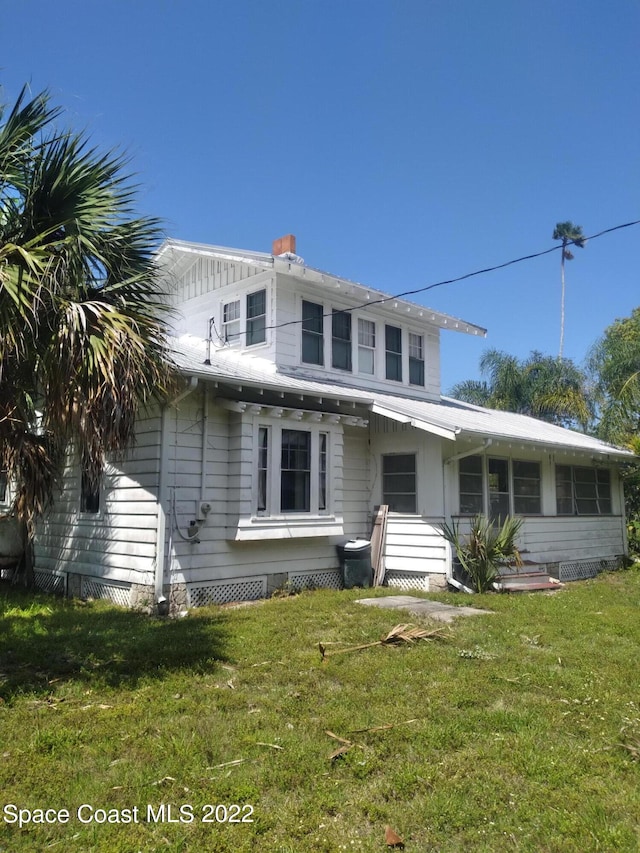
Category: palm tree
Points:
column 569, row 234
column 82, row 324
column 541, row 386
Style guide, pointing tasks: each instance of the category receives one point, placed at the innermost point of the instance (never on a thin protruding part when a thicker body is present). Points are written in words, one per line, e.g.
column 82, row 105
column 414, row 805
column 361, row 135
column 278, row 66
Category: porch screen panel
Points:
column 499, row 502
column 470, row 481
column 526, row 488
column 399, row 482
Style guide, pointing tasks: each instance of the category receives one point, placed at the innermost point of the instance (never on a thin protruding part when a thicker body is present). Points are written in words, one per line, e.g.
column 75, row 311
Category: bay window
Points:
column 292, row 470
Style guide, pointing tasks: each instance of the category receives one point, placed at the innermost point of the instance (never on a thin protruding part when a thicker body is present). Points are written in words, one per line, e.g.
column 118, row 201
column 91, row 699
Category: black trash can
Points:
column 355, row 563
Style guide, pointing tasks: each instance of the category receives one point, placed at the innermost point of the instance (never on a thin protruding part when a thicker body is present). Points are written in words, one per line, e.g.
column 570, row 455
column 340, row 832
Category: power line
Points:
column 468, row 275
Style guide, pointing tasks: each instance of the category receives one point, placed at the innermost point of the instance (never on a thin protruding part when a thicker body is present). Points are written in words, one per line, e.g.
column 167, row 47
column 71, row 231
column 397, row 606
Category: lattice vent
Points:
column 315, row 580
column 583, row 569
column 49, row 582
column 224, row 593
column 92, row 588
column 407, row 580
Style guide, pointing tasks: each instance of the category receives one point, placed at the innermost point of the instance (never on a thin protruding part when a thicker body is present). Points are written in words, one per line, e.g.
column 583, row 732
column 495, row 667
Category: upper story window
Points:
column 500, row 487
column 366, row 346
column 3, row 486
column 312, row 333
column 583, row 491
column 256, row 317
column 416, row 359
column 341, row 340
column 231, row 322
column 393, row 352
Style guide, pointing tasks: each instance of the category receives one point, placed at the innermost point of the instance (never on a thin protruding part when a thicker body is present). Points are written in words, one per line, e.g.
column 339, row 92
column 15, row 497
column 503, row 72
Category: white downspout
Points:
column 162, row 490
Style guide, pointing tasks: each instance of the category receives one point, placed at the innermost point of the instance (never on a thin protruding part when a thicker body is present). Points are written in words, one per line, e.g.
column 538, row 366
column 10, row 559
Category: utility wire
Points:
column 427, row 287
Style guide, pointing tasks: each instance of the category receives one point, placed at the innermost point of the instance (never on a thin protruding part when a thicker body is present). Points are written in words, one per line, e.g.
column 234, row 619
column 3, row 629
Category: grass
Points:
column 520, row 731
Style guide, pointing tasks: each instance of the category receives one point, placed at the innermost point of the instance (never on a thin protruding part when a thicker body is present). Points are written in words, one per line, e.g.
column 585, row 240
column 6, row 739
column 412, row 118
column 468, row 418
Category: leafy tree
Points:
column 82, row 323
column 544, row 387
column 569, row 234
column 614, row 362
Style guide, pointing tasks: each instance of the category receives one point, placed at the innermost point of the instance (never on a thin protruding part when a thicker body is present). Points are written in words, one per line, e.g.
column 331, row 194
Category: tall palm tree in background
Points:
column 541, row 386
column 569, row 234
column 82, row 324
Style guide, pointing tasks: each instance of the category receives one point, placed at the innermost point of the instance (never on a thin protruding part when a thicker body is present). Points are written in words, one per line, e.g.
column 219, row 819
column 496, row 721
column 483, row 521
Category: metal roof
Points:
column 447, row 417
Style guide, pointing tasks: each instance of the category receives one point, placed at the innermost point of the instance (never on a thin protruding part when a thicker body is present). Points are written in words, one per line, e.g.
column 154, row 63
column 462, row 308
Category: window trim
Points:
column 319, row 508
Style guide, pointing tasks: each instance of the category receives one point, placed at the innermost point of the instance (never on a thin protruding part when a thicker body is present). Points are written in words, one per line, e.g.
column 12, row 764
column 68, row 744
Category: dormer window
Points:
column 312, row 333
column 231, row 322
column 416, row 359
column 366, row 347
column 393, row 353
column 256, row 317
column 341, row 340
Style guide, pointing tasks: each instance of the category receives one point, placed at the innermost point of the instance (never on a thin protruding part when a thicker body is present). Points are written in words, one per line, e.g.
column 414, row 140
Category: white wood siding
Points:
column 118, row 543
column 414, row 544
column 569, row 538
column 356, row 498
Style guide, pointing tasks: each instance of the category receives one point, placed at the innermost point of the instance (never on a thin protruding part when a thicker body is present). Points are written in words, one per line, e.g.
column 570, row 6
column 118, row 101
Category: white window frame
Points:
column 416, row 357
column 234, row 331
column 318, row 433
column 366, row 345
column 232, row 338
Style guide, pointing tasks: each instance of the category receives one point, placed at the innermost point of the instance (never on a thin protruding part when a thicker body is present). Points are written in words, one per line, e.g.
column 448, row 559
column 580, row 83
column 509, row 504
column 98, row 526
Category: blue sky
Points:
column 402, row 141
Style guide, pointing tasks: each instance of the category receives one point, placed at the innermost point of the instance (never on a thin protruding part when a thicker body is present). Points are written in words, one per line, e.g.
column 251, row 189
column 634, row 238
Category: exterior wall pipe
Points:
column 471, row 452
column 162, row 488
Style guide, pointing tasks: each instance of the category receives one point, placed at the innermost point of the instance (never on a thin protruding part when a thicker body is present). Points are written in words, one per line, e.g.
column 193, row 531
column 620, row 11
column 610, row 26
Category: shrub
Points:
column 486, row 547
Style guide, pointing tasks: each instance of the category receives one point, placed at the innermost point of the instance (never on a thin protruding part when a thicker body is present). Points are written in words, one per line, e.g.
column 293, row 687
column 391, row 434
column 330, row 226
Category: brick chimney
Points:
column 284, row 244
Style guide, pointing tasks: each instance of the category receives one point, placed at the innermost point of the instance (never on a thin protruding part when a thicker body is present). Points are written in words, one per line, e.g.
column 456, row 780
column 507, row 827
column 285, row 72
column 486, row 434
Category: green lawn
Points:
column 518, row 731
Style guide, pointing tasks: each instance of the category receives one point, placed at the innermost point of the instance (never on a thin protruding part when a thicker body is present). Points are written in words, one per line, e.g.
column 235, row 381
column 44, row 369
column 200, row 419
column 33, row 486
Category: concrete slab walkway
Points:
column 423, row 607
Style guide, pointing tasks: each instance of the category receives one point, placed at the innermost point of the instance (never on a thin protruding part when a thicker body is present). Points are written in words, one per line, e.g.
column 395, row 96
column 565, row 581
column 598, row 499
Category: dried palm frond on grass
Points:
column 403, row 633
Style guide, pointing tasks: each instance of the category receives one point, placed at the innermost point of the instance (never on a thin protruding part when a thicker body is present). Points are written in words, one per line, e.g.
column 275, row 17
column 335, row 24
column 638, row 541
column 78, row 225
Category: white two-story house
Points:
column 307, row 401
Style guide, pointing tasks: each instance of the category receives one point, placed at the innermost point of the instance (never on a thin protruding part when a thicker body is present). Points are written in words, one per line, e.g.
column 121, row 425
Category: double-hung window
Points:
column 341, row 340
column 366, row 347
column 499, row 487
column 231, row 322
column 393, row 352
column 399, row 482
column 312, row 333
column 256, row 317
column 416, row 359
column 583, row 491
